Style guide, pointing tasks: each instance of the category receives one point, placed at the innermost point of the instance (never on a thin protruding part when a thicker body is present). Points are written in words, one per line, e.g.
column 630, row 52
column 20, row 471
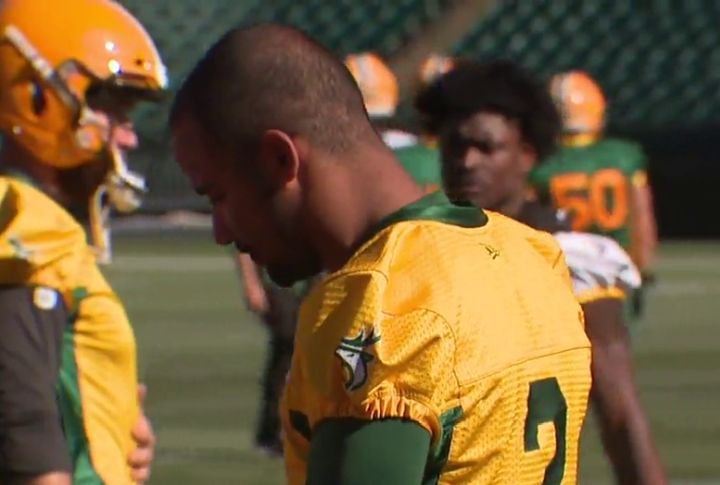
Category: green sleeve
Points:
column 628, row 154
column 636, row 158
column 357, row 452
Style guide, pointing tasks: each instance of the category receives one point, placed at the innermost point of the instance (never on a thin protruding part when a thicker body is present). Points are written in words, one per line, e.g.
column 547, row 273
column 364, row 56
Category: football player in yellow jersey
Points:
column 69, row 73
column 495, row 123
column 444, row 345
column 278, row 307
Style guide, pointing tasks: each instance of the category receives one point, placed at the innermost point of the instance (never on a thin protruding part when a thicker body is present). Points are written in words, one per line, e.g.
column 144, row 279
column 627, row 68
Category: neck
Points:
column 14, row 158
column 369, row 188
column 512, row 206
column 579, row 139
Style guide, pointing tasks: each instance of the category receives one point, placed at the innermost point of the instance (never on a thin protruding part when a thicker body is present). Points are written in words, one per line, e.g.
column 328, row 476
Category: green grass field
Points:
column 201, row 355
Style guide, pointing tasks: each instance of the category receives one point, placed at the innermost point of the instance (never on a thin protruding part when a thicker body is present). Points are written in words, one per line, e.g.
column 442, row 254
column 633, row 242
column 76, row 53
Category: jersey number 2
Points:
column 546, row 404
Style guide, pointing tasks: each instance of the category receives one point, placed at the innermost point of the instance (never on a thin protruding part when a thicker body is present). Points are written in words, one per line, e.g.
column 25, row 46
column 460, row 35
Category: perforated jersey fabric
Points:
column 473, row 333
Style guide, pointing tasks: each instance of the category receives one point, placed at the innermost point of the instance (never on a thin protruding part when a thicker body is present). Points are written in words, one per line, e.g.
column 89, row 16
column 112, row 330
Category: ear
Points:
column 528, row 158
column 279, row 158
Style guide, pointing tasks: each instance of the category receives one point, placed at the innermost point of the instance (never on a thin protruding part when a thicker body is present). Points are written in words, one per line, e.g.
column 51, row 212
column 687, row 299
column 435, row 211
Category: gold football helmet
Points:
column 48, row 71
column 580, row 101
column 433, row 67
column 377, row 83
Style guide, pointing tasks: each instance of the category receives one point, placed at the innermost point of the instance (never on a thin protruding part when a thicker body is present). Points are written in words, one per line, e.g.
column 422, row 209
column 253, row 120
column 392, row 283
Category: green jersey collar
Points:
column 434, row 207
column 21, row 176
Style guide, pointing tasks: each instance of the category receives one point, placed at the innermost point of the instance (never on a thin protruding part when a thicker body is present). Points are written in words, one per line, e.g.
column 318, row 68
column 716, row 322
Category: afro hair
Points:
column 500, row 87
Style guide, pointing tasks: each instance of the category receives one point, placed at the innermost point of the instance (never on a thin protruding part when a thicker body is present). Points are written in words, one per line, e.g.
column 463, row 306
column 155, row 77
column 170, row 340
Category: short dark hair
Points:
column 270, row 76
column 501, row 87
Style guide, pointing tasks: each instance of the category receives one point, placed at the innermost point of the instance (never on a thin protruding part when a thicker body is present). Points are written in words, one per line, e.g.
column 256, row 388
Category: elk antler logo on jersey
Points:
column 355, row 358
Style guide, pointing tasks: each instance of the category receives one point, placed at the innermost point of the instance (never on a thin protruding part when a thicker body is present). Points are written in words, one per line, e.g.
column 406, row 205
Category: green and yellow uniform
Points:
column 419, row 156
column 462, row 322
column 42, row 246
column 422, row 161
column 593, row 183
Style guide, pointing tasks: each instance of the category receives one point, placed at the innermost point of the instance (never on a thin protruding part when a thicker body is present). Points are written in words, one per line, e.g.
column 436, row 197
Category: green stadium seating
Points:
column 351, row 25
column 658, row 61
column 184, row 29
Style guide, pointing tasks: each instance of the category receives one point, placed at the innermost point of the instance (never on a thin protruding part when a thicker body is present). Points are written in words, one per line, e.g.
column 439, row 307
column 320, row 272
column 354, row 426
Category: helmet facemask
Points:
column 92, row 107
column 121, row 190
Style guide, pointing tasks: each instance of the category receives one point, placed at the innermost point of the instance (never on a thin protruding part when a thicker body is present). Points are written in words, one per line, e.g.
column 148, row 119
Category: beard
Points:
column 78, row 184
column 300, row 261
column 286, row 275
column 282, row 276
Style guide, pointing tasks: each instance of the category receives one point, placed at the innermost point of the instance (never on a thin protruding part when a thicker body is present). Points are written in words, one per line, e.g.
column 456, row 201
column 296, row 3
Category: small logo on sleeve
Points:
column 355, row 358
column 45, row 298
column 20, row 250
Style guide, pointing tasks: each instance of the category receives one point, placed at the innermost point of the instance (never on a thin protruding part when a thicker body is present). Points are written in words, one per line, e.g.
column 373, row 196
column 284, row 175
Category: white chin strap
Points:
column 100, row 225
column 125, row 188
column 122, row 190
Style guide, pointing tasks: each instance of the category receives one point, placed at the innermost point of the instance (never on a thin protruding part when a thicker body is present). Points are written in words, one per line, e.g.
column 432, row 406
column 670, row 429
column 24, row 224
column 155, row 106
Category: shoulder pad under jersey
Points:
column 598, row 265
column 396, row 139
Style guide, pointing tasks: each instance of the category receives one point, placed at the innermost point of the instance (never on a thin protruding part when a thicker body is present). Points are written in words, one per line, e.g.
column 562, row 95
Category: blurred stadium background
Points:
column 659, row 64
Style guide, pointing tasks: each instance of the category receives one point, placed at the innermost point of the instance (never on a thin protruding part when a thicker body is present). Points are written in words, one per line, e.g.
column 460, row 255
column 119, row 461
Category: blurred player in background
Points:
column 496, row 124
column 602, row 182
column 408, row 367
column 432, row 68
column 379, row 89
column 277, row 307
column 70, row 72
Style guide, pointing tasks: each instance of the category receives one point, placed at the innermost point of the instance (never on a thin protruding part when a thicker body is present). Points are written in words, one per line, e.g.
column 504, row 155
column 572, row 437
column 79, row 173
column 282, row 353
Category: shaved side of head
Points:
column 271, row 76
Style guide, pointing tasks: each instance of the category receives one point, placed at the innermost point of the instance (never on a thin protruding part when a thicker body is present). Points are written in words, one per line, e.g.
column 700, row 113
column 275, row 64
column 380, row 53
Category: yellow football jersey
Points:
column 41, row 244
column 463, row 322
